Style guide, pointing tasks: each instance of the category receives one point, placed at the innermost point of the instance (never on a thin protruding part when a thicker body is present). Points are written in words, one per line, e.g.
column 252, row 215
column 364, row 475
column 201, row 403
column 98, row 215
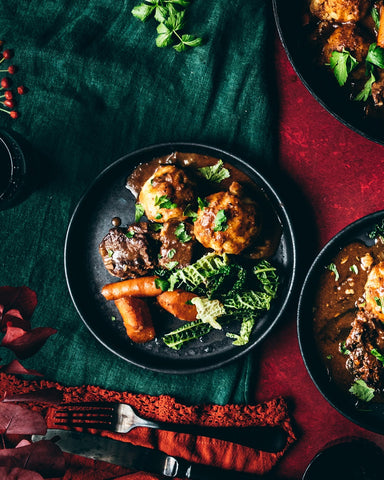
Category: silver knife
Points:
column 136, row 457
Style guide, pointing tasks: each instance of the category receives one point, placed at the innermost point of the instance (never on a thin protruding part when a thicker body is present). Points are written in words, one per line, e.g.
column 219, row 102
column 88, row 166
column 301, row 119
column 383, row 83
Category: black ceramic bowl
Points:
column 369, row 415
column 106, row 198
column 322, row 86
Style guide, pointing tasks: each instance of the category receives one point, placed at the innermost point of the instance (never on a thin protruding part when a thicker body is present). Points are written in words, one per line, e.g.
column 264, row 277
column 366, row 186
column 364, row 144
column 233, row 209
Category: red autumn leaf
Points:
column 25, row 344
column 10, row 473
column 15, row 318
column 43, row 457
column 17, row 420
column 46, row 395
column 22, row 298
column 16, row 368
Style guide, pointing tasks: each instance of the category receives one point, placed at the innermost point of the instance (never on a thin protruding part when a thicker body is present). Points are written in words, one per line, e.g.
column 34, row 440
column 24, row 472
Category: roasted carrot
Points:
column 380, row 33
column 178, row 304
column 137, row 319
column 134, row 287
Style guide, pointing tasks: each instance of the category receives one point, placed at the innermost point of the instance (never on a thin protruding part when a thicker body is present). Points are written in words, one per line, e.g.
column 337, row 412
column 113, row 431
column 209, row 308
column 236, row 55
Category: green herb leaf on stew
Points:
column 378, row 231
column 110, row 253
column 181, row 233
column 188, row 212
column 376, row 17
column 353, row 268
column 375, row 55
column 332, row 267
column 139, row 212
column 343, row 349
column 380, row 303
column 202, row 202
column 215, row 173
column 164, row 202
column 162, row 283
column 378, row 355
column 171, row 253
column 172, row 265
column 342, row 64
column 367, row 89
column 130, row 234
column 220, row 222
column 361, row 390
column 155, row 227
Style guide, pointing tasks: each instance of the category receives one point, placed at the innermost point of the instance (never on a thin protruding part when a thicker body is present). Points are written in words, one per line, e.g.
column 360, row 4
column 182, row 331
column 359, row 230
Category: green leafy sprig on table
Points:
column 170, row 14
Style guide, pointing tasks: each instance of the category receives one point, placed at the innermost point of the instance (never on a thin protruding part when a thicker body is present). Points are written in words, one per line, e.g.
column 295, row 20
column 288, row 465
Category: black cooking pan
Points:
column 322, row 86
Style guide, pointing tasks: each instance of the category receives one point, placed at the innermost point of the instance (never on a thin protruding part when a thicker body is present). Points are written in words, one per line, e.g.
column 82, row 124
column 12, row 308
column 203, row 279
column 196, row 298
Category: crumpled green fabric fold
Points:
column 99, row 88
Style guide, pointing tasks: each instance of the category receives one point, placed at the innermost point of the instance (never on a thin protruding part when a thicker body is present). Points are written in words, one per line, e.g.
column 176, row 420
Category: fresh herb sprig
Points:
column 170, row 14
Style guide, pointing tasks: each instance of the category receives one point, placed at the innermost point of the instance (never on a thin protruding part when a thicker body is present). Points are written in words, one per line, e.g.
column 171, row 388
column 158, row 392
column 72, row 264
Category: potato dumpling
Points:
column 346, row 37
column 227, row 223
column 166, row 194
column 339, row 11
column 374, row 291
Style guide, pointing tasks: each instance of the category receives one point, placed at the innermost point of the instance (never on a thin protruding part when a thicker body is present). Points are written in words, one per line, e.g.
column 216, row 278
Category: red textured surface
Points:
column 341, row 175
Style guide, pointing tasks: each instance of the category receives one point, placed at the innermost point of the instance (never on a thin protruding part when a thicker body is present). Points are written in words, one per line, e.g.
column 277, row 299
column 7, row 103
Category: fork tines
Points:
column 87, row 415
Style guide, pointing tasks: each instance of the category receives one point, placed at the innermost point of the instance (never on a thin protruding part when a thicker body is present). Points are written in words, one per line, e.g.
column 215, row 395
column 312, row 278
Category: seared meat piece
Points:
column 367, row 333
column 166, row 194
column 129, row 252
column 229, row 223
column 349, row 38
column 177, row 244
column 339, row 11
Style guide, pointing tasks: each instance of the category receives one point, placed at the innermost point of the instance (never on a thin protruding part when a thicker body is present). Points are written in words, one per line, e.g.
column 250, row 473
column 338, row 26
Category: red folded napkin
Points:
column 165, row 408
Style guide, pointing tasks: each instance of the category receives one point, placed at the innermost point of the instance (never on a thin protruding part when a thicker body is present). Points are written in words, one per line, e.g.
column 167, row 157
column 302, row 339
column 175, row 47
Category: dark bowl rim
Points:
column 332, row 246
column 210, row 150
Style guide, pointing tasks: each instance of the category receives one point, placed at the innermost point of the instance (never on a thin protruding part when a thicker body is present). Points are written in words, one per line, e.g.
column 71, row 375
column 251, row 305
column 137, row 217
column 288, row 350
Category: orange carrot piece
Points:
column 177, row 303
column 380, row 33
column 137, row 319
column 134, row 287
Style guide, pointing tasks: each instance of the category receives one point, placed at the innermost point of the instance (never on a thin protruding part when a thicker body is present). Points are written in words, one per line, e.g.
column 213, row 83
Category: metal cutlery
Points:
column 121, row 418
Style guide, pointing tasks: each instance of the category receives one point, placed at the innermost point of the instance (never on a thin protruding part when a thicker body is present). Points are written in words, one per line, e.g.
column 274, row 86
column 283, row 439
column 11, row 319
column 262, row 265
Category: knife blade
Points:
column 136, row 457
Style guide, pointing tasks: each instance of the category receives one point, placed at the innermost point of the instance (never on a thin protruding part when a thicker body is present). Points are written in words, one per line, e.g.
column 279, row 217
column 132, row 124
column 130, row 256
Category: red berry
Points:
column 22, row 90
column 14, row 114
column 9, row 103
column 8, row 54
column 5, row 82
column 8, row 95
column 12, row 69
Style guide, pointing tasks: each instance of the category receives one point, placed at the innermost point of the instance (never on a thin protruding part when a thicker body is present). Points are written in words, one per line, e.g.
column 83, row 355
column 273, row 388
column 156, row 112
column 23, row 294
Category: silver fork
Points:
column 121, row 418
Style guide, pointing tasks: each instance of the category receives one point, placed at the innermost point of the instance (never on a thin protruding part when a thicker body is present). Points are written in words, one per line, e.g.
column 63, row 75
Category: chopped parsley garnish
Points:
column 171, row 253
column 367, row 89
column 181, row 233
column 376, row 17
column 139, row 212
column 342, row 63
column 378, row 230
column 375, row 55
column 332, row 268
column 378, row 355
column 113, row 318
column 164, row 202
column 110, row 253
column 162, row 283
column 361, row 390
column 189, row 212
column 155, row 227
column 380, row 303
column 158, row 216
column 130, row 234
column 353, row 268
column 215, row 173
column 220, row 222
column 202, row 202
column 343, row 349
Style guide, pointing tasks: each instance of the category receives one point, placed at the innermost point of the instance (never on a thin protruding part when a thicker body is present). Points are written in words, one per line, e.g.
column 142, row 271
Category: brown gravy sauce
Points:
column 335, row 308
column 267, row 242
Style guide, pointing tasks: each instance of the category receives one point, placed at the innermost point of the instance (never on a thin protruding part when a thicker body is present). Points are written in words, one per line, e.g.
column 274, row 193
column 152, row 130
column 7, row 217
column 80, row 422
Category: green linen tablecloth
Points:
column 100, row 88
